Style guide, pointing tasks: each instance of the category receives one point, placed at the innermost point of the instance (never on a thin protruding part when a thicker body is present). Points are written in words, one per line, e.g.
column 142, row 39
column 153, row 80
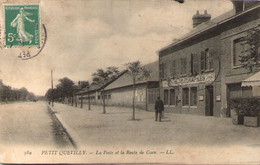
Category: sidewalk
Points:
column 117, row 125
column 187, row 133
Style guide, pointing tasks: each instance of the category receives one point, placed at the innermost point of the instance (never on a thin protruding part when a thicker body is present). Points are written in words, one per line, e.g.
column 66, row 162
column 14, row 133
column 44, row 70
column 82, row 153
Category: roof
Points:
column 202, row 27
column 209, row 25
column 96, row 87
column 252, row 81
column 126, row 80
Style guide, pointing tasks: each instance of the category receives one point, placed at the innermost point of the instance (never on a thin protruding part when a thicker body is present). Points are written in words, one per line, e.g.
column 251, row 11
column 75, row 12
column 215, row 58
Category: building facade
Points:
column 119, row 91
column 201, row 72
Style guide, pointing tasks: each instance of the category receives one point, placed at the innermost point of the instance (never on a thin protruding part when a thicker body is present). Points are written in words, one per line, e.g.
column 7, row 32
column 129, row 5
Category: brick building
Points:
column 201, row 72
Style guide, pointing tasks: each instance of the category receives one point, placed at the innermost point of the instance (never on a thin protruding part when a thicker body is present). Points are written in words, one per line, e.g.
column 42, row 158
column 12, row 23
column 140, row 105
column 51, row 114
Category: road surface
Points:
column 30, row 124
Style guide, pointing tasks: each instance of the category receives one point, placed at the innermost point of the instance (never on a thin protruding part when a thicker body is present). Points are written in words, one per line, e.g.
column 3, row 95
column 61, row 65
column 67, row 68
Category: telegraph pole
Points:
column 88, row 99
column 52, row 97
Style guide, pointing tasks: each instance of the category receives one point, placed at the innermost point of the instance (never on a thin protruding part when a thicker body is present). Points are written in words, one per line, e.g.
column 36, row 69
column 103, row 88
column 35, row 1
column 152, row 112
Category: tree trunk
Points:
column 133, row 101
column 76, row 101
column 104, row 104
column 81, row 102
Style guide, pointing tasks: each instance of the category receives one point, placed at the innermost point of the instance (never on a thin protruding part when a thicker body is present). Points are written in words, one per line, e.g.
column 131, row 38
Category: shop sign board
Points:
column 203, row 78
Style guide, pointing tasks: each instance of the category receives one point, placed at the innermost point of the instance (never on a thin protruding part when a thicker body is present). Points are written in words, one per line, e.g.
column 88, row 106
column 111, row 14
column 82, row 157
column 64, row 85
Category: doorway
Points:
column 209, row 100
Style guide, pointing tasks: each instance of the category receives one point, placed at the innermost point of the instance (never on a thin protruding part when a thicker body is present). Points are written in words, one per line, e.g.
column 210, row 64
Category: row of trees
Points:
column 8, row 93
column 66, row 87
column 134, row 69
column 101, row 77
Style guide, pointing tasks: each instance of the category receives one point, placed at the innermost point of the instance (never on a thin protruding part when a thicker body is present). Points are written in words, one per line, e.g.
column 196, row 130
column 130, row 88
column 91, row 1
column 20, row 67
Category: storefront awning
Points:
column 252, row 81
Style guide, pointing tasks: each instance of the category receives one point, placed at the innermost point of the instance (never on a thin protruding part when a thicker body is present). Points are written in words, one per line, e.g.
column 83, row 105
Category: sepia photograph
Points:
column 130, row 81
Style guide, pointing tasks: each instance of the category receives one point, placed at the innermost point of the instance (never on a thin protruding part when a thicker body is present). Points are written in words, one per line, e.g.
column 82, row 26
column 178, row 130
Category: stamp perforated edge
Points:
column 2, row 26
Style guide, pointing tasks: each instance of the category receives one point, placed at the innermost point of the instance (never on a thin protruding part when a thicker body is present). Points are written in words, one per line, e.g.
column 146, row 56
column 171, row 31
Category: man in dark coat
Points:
column 159, row 107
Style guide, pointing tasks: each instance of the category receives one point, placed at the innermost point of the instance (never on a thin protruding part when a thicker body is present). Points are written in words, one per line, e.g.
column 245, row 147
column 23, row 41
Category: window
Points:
column 162, row 70
column 202, row 61
column 183, row 66
column 185, row 96
column 109, row 96
column 173, row 69
column 192, row 63
column 205, row 61
column 165, row 70
column 152, row 95
column 208, row 60
column 99, row 97
column 193, row 96
column 172, row 97
column 238, row 48
column 166, row 93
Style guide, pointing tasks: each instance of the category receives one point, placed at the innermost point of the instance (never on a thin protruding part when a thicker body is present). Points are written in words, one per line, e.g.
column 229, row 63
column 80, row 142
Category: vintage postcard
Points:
column 129, row 81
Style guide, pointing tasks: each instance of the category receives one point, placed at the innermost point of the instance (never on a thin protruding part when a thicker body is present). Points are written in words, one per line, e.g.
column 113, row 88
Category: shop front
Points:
column 191, row 95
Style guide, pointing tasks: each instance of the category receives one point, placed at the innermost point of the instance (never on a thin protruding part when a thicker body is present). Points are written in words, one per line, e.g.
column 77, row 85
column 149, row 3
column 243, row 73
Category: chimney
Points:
column 200, row 18
column 240, row 6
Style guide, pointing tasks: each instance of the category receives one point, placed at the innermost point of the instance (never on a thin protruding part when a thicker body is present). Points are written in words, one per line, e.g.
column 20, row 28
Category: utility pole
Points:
column 52, row 97
column 88, row 99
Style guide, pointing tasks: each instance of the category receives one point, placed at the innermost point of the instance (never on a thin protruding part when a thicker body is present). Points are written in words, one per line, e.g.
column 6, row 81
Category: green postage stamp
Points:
column 22, row 26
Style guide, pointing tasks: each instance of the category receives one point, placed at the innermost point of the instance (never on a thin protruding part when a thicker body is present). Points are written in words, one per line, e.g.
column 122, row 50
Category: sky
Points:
column 85, row 35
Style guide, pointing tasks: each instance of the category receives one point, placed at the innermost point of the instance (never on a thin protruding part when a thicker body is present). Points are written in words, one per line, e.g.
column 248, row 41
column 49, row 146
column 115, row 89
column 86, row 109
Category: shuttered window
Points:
column 173, row 68
column 183, row 66
column 172, row 97
column 193, row 96
column 208, row 59
column 166, row 94
column 185, row 96
column 239, row 47
column 202, row 61
column 163, row 70
column 195, row 64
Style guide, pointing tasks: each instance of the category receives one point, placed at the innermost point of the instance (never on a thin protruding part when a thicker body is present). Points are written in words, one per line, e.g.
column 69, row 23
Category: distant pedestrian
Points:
column 159, row 108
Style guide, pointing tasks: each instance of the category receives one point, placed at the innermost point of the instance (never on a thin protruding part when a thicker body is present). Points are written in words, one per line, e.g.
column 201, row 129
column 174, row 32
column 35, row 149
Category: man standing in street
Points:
column 159, row 107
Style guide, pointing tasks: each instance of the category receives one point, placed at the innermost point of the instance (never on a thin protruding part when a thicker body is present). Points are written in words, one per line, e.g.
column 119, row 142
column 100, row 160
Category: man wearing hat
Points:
column 159, row 107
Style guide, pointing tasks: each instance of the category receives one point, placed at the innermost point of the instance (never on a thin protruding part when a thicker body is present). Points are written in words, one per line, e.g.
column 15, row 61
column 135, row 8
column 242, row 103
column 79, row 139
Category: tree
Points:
column 66, row 88
column 101, row 77
column 8, row 93
column 250, row 55
column 82, row 84
column 48, row 94
column 137, row 73
column 55, row 94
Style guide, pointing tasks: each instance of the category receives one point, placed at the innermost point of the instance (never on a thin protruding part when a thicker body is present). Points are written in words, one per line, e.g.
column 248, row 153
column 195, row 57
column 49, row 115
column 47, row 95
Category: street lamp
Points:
column 88, row 99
